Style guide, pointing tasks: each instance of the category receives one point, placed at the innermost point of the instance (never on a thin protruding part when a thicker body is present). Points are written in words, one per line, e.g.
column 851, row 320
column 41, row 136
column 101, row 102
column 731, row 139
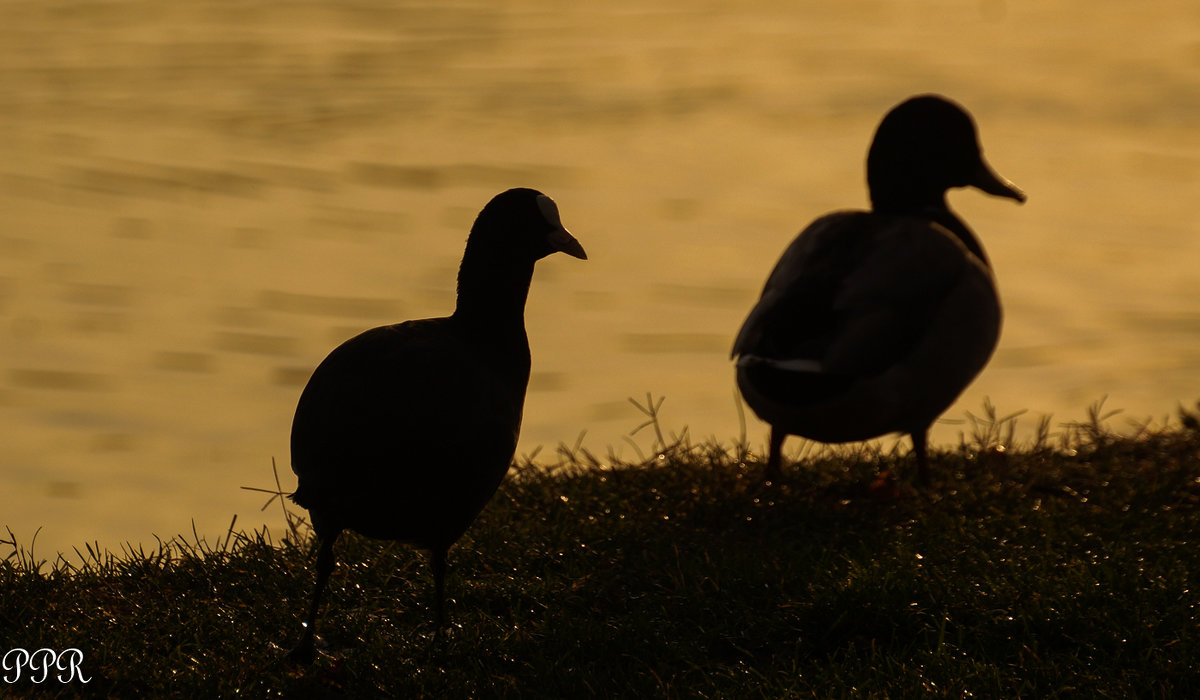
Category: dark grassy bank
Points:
column 1062, row 568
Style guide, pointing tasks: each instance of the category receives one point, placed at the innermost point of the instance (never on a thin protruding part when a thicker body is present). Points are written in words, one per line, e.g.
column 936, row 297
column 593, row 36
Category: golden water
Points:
column 199, row 199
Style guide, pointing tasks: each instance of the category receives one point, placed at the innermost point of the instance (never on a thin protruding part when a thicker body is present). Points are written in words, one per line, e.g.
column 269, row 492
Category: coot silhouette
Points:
column 405, row 431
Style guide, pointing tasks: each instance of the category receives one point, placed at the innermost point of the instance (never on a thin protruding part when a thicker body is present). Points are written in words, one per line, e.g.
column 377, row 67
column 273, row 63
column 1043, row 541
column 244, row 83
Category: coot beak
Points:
column 562, row 241
column 987, row 180
column 560, row 238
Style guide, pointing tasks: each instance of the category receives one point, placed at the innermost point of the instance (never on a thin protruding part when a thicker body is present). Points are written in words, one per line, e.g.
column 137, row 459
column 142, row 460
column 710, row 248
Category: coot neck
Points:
column 492, row 290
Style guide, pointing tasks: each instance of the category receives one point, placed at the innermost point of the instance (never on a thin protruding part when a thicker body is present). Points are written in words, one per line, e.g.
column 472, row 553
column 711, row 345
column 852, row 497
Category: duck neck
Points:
column 944, row 216
column 934, row 208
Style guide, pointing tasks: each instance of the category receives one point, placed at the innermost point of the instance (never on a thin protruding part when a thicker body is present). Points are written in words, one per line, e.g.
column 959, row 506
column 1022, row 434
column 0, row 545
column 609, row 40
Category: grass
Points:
column 1064, row 567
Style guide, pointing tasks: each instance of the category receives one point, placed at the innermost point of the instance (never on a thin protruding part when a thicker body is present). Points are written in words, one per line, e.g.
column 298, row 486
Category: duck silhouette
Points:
column 404, row 432
column 875, row 321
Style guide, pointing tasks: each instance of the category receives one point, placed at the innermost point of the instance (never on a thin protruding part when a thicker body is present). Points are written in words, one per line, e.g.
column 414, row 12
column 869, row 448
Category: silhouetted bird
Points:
column 404, row 432
column 875, row 321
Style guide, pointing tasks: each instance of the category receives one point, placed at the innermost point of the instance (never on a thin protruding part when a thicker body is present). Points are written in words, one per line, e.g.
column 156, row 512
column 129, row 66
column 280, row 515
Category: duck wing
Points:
column 849, row 298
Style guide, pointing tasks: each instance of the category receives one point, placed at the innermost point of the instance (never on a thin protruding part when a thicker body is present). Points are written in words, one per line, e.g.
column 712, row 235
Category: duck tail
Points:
column 798, row 364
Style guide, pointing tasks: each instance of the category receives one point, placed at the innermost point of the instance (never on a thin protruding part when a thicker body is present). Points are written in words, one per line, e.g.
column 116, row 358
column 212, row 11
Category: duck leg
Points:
column 304, row 652
column 775, row 458
column 920, row 441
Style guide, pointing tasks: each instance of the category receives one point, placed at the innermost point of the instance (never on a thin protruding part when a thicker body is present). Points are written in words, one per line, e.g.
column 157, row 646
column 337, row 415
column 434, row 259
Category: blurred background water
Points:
column 198, row 200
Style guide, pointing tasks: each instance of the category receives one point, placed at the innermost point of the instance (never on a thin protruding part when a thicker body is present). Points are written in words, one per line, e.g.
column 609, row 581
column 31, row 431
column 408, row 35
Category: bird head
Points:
column 526, row 223
column 924, row 146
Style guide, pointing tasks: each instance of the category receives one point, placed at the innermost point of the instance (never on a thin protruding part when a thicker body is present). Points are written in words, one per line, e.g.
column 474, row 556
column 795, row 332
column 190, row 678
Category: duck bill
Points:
column 562, row 241
column 987, row 180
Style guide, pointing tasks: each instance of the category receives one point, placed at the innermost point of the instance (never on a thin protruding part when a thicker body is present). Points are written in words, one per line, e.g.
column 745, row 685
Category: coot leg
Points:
column 304, row 652
column 437, row 558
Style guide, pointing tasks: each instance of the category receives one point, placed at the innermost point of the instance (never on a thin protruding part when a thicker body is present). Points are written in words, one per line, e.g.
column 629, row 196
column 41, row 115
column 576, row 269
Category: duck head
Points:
column 923, row 147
